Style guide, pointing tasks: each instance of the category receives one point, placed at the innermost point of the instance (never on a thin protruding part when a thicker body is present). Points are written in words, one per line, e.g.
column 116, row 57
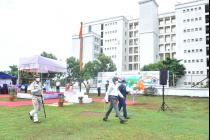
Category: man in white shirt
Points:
column 112, row 97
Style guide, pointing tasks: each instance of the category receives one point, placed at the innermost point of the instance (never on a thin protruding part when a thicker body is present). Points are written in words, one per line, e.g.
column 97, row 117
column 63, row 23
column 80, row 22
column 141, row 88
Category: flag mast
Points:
column 81, row 54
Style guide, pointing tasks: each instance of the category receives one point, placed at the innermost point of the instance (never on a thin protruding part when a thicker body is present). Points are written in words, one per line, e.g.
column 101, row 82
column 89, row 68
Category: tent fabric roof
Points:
column 5, row 76
column 41, row 64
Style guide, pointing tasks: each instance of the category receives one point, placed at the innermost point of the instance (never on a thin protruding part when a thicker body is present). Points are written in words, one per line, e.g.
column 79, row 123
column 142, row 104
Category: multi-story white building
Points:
column 191, row 40
column 167, row 36
column 113, row 33
column 182, row 34
column 132, row 58
column 91, row 46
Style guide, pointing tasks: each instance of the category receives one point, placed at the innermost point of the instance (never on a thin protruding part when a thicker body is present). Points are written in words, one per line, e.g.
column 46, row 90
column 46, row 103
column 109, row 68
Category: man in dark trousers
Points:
column 122, row 101
column 112, row 97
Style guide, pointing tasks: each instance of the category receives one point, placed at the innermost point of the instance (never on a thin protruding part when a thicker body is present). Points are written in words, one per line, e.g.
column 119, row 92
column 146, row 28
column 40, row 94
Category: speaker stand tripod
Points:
column 164, row 106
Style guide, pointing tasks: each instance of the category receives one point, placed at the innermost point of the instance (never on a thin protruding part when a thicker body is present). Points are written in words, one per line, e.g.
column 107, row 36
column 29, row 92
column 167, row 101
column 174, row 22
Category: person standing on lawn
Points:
column 36, row 92
column 112, row 97
column 107, row 85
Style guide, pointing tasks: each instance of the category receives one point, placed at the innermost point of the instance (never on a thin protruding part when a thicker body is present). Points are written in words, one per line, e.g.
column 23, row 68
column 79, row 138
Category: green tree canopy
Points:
column 13, row 70
column 90, row 69
column 48, row 55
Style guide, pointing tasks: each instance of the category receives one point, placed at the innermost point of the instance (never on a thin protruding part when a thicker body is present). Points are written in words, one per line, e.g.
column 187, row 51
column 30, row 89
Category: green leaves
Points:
column 90, row 70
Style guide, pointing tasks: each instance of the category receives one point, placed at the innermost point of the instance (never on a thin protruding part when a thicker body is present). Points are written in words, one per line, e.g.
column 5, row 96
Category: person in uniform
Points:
column 112, row 97
column 36, row 92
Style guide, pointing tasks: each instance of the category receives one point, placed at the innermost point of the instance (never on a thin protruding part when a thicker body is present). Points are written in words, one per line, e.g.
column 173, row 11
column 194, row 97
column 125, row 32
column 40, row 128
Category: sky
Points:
column 29, row 27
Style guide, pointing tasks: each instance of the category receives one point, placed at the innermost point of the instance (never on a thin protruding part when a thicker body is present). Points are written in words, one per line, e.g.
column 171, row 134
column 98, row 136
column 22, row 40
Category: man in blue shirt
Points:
column 122, row 101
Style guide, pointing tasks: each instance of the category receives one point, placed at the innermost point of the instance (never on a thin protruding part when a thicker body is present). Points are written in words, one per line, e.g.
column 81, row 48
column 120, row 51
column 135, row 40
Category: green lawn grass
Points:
column 187, row 119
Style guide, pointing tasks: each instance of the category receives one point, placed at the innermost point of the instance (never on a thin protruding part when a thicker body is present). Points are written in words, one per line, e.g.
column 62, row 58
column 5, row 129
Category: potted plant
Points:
column 12, row 94
column 80, row 99
column 60, row 100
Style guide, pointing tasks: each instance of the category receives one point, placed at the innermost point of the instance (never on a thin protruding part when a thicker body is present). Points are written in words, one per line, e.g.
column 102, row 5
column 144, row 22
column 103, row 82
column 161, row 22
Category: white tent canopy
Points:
column 40, row 64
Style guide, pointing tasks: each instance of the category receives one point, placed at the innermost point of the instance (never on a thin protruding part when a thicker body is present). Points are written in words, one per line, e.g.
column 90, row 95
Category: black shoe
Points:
column 127, row 118
column 31, row 117
column 123, row 121
column 104, row 119
column 116, row 116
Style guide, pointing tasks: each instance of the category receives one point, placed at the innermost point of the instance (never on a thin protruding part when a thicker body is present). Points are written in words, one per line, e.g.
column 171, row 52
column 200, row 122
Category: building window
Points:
column 207, row 29
column 102, row 26
column 207, row 8
column 136, row 50
column 130, row 50
column 207, row 18
column 130, row 66
column 207, row 40
column 131, row 26
column 102, row 34
column 89, row 28
column 136, row 58
column 102, row 44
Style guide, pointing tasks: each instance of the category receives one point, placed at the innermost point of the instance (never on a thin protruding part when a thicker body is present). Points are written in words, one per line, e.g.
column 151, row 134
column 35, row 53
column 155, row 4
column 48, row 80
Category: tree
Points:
column 176, row 70
column 48, row 55
column 90, row 70
column 73, row 70
column 13, row 70
column 50, row 75
column 106, row 64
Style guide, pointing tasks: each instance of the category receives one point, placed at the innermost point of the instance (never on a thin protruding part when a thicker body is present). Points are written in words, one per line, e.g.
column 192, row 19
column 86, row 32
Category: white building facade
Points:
column 182, row 34
column 114, row 37
column 91, row 47
column 191, row 40
column 167, row 36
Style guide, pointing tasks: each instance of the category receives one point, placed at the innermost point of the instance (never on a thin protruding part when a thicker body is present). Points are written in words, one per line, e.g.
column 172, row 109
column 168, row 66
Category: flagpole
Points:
column 81, row 53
